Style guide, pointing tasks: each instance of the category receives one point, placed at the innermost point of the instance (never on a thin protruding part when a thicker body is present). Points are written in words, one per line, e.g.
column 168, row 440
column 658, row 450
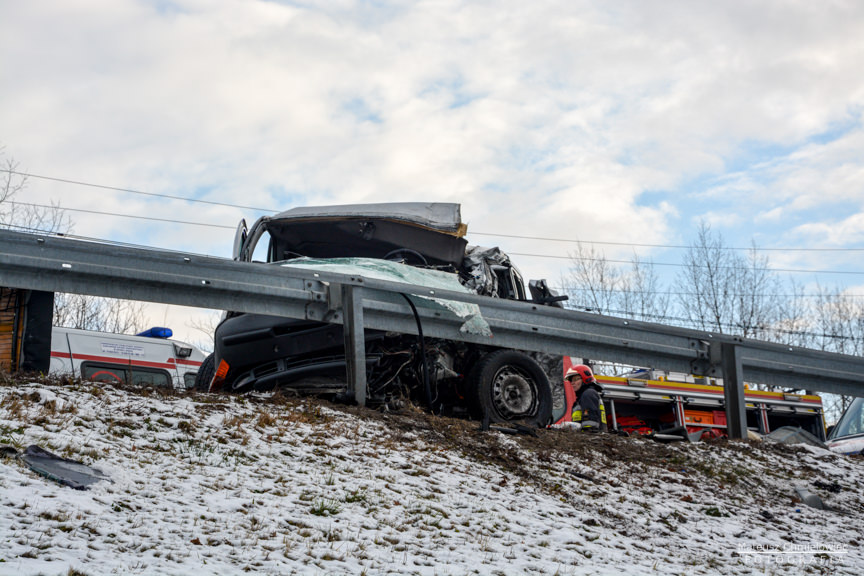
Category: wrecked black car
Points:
column 419, row 243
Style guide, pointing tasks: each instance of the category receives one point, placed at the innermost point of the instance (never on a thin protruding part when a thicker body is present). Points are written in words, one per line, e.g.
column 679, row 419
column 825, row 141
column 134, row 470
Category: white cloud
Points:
column 849, row 230
column 537, row 117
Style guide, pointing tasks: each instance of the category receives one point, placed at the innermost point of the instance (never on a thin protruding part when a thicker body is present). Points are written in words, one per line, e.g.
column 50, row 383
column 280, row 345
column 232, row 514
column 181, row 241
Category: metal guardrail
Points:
column 58, row 264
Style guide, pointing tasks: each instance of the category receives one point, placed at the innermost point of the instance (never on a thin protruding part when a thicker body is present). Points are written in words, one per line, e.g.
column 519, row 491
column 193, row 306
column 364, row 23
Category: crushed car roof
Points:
column 439, row 216
column 432, row 230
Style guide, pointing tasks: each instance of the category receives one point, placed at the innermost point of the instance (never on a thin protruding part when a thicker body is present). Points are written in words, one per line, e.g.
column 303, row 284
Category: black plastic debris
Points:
column 516, row 429
column 832, row 487
column 677, row 434
column 67, row 472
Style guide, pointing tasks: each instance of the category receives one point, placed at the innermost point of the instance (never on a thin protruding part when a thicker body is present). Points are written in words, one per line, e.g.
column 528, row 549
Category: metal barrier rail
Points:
column 58, row 264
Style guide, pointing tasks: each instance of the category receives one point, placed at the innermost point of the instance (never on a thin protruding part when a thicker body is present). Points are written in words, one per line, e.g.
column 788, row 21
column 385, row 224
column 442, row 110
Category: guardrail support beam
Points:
column 733, row 390
column 355, row 342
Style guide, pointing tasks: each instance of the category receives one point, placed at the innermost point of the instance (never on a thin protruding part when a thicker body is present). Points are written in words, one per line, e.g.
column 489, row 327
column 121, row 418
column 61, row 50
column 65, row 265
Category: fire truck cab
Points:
column 148, row 358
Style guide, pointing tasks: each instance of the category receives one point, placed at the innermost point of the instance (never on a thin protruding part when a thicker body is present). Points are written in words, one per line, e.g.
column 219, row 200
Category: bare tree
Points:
column 640, row 294
column 840, row 318
column 722, row 291
column 207, row 327
column 14, row 214
column 794, row 324
column 70, row 310
column 756, row 300
column 708, row 282
column 101, row 314
column 596, row 285
column 592, row 281
column 726, row 293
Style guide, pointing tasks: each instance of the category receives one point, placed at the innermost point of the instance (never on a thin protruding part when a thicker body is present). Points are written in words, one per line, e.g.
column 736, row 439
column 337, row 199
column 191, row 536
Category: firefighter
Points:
column 592, row 415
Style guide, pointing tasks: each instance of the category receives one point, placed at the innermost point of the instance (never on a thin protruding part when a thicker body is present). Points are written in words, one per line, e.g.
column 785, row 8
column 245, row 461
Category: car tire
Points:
column 205, row 374
column 509, row 386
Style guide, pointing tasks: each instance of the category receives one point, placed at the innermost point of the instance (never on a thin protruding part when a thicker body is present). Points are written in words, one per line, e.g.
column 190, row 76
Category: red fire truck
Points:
column 652, row 401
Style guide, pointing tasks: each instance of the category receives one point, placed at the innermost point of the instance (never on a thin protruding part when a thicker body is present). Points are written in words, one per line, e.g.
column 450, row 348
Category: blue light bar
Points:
column 157, row 332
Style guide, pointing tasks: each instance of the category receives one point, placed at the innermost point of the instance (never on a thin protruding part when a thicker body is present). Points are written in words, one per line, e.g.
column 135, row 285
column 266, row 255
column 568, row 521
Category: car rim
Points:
column 513, row 393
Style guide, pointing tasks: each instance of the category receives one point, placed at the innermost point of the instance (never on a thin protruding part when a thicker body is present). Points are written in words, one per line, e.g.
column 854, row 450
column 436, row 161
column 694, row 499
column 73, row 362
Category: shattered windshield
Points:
column 398, row 272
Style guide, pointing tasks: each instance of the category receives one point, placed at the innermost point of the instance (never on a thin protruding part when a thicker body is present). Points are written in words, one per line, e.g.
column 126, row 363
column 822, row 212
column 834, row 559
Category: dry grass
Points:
column 226, row 438
column 14, row 406
column 265, row 419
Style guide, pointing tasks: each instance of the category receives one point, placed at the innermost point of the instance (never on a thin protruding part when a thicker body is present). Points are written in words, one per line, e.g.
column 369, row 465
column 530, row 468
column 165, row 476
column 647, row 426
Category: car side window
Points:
column 122, row 373
column 189, row 379
column 518, row 285
column 510, row 285
column 853, row 421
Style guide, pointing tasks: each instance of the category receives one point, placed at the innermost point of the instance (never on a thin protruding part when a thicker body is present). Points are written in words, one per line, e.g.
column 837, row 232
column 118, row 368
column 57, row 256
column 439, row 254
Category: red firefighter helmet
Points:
column 581, row 370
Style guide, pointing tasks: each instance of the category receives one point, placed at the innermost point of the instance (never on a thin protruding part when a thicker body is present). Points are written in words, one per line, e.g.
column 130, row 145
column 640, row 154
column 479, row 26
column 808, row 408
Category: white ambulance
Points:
column 148, row 358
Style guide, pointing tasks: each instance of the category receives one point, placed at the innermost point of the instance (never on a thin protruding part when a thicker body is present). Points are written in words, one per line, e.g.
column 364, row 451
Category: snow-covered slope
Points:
column 206, row 484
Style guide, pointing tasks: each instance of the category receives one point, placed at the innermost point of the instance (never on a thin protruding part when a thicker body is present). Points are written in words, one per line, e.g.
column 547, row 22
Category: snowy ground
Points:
column 228, row 485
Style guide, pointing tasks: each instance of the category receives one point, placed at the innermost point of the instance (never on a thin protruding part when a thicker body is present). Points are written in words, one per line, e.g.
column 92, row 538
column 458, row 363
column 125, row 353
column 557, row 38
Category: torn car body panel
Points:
column 64, row 471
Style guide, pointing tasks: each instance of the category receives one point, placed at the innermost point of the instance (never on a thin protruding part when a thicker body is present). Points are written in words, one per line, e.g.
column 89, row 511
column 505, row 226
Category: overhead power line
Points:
column 134, row 216
column 675, row 246
column 671, row 264
column 676, row 265
column 564, row 289
column 495, row 234
column 725, row 325
column 130, row 191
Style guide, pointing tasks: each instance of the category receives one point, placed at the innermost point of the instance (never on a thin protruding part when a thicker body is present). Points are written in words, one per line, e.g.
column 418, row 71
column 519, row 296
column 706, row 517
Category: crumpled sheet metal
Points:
column 67, row 472
column 478, row 264
column 397, row 272
column 441, row 216
column 794, row 435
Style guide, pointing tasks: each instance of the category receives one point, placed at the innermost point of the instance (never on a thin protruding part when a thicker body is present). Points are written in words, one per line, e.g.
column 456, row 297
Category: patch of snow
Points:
column 210, row 484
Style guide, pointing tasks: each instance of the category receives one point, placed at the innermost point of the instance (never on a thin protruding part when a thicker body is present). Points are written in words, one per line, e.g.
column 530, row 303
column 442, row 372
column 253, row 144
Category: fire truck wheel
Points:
column 509, row 386
column 205, row 374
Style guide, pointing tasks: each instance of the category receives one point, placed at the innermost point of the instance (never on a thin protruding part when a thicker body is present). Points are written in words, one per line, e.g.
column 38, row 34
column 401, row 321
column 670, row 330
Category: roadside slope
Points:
column 222, row 485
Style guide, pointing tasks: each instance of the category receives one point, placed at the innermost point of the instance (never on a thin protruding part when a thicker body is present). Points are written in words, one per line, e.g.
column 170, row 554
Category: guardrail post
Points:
column 733, row 390
column 355, row 342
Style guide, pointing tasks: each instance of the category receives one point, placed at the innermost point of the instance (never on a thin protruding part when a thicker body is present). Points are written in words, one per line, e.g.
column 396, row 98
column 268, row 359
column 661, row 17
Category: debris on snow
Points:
column 215, row 484
column 794, row 435
column 64, row 471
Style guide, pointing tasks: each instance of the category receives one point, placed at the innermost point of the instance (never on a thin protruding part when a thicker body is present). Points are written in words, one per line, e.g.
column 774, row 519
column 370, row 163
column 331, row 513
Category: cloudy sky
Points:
column 620, row 122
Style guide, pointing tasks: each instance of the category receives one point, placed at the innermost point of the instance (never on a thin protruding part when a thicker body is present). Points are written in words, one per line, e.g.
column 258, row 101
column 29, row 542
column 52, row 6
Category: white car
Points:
column 847, row 437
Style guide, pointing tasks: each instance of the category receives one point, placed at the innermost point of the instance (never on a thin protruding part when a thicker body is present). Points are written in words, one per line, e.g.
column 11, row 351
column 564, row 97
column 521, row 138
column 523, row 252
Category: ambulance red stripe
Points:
column 125, row 361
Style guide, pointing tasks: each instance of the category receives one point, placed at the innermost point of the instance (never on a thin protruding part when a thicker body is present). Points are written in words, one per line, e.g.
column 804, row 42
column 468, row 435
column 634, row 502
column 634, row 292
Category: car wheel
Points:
column 509, row 386
column 205, row 374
